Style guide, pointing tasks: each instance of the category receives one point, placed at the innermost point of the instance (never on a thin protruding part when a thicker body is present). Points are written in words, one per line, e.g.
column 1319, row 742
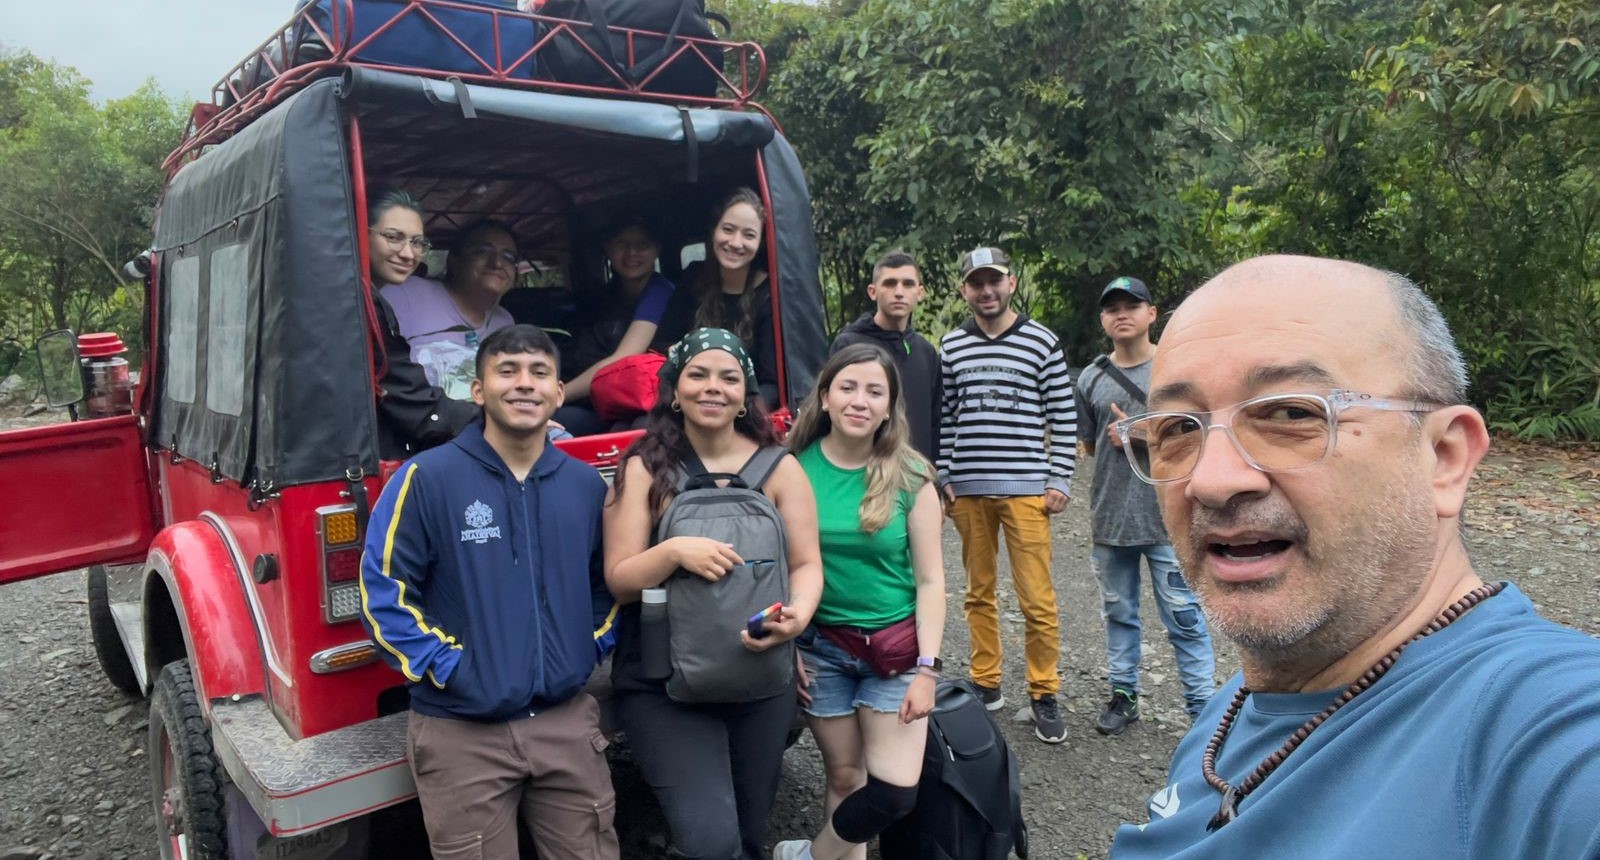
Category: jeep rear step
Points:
column 297, row 787
column 300, row 786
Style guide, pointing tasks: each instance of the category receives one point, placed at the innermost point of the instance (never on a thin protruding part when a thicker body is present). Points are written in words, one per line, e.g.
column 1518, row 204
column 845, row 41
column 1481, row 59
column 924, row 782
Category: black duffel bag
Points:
column 566, row 61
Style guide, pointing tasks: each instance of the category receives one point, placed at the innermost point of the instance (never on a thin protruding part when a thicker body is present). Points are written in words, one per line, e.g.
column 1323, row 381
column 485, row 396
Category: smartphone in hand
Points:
column 756, row 627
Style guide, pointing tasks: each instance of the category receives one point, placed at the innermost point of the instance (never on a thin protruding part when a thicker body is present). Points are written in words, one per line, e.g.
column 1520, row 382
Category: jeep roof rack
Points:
column 319, row 41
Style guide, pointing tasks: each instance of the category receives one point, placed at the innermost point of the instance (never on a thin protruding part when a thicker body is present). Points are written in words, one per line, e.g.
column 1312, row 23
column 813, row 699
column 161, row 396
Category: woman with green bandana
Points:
column 713, row 767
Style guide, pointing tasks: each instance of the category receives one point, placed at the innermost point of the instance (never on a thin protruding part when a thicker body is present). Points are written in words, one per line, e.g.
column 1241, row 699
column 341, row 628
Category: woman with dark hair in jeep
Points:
column 634, row 300
column 413, row 412
column 729, row 291
column 714, row 767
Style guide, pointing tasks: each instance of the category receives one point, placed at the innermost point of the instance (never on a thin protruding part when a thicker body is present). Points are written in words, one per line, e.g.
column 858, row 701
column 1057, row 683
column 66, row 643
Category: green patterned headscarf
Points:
column 701, row 340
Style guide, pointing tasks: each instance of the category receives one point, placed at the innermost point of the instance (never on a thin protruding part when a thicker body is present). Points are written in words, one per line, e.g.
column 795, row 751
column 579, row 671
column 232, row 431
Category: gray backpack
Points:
column 709, row 661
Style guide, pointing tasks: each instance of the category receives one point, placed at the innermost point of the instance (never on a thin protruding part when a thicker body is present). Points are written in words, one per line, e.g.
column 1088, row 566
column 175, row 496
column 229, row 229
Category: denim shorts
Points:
column 841, row 683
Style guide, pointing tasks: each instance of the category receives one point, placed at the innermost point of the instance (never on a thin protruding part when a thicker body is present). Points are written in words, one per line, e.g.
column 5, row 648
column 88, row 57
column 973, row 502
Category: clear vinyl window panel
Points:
column 183, row 329
column 228, row 299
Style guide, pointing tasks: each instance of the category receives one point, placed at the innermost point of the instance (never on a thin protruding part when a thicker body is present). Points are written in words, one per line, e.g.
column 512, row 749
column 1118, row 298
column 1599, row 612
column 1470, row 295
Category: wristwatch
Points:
column 933, row 663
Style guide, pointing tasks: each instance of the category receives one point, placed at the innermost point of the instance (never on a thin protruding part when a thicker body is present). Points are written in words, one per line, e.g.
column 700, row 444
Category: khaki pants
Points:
column 1027, row 529
column 473, row 777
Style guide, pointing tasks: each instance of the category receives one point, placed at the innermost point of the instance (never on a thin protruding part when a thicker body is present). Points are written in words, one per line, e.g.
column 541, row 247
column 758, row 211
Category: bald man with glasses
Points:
column 1311, row 445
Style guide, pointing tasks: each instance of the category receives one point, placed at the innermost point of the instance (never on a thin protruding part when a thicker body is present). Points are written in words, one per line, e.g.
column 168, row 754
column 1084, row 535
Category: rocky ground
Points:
column 73, row 768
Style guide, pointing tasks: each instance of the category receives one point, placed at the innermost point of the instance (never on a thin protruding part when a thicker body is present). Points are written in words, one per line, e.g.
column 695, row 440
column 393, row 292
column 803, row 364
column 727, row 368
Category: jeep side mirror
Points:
column 59, row 367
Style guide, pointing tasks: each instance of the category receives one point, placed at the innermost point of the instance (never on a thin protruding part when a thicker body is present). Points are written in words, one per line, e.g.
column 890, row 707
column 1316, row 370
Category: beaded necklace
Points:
column 1232, row 795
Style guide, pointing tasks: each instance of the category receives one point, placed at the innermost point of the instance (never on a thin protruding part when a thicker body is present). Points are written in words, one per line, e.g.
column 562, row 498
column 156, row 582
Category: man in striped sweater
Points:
column 1007, row 445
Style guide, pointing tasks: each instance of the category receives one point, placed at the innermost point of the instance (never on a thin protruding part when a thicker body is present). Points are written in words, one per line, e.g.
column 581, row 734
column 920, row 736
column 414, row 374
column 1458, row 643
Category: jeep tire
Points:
column 186, row 780
column 108, row 646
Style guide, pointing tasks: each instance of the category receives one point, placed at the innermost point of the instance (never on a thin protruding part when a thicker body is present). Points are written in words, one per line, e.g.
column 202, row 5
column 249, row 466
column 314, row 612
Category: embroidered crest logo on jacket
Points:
column 479, row 516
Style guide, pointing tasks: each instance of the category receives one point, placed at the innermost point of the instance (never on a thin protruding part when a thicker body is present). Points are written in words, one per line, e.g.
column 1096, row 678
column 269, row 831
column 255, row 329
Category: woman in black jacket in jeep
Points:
column 729, row 290
column 412, row 413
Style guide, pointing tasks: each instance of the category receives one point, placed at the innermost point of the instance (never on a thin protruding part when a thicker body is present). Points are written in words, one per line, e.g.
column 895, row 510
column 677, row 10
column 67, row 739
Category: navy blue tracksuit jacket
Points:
column 486, row 592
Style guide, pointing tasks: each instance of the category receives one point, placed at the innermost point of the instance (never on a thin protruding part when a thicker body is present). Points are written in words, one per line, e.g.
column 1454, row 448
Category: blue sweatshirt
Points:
column 486, row 592
column 1483, row 741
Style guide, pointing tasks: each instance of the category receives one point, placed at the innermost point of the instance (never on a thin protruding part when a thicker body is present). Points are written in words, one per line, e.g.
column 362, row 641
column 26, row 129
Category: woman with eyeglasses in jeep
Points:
column 414, row 413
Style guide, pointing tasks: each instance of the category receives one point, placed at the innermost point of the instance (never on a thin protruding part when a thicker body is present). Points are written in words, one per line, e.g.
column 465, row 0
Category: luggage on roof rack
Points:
column 491, row 43
column 447, row 38
column 620, row 40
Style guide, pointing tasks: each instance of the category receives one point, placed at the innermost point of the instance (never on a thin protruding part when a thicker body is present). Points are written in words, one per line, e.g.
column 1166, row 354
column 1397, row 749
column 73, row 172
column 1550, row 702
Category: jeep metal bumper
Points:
column 299, row 786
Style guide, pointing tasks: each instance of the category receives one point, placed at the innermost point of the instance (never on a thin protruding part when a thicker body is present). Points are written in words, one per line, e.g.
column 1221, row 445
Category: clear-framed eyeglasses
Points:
column 493, row 254
column 398, row 240
column 1273, row 433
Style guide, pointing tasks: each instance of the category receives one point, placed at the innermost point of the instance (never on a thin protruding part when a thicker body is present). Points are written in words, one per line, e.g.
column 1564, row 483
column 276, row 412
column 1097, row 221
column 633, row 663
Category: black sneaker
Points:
column 1120, row 713
column 992, row 698
column 1047, row 720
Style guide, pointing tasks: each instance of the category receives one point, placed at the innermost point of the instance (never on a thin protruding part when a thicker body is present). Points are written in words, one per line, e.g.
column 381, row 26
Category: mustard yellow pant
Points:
column 1027, row 528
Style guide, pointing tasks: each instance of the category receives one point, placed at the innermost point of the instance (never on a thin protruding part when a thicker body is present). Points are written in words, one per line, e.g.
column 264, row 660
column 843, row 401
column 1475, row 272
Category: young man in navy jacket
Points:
column 479, row 584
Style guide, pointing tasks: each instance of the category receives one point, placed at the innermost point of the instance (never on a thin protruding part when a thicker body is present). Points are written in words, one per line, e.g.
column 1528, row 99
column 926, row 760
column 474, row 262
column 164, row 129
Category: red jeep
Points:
column 223, row 516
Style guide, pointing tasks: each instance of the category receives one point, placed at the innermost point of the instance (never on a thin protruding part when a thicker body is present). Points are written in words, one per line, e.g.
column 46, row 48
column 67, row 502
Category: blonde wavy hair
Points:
column 893, row 466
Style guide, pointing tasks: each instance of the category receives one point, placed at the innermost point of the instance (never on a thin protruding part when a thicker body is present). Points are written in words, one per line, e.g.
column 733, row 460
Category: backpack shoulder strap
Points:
column 755, row 472
column 687, row 471
column 1086, row 396
column 1108, row 369
column 1019, row 826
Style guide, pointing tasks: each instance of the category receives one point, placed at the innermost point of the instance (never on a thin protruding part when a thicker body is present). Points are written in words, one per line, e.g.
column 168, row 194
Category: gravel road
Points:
column 73, row 768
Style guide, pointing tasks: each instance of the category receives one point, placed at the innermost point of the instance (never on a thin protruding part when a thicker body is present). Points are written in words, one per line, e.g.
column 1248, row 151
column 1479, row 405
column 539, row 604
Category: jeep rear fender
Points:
column 194, row 601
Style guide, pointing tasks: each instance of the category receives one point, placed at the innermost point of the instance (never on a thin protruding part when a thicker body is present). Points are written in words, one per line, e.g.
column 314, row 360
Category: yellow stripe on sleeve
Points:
column 400, row 600
column 605, row 626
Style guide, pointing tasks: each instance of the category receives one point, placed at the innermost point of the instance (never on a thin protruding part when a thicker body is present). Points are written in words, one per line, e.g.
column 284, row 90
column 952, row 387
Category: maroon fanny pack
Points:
column 888, row 652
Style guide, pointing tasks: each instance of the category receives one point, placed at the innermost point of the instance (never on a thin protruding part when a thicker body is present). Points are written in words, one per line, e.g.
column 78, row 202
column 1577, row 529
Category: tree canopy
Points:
column 78, row 184
column 1449, row 140
column 1453, row 141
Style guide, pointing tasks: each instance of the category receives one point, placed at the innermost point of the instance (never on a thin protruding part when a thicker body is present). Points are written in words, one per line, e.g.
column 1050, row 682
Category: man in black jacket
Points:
column 896, row 288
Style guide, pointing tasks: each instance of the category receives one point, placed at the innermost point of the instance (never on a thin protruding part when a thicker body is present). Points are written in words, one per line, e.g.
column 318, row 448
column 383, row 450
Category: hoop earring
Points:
column 743, row 411
column 674, row 405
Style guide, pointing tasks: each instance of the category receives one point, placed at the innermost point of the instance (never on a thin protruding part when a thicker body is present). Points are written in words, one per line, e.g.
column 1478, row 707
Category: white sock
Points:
column 805, row 853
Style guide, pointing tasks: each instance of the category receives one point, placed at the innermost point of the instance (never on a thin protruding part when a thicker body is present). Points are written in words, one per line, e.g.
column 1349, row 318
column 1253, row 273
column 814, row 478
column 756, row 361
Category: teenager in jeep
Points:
column 729, row 291
column 627, row 321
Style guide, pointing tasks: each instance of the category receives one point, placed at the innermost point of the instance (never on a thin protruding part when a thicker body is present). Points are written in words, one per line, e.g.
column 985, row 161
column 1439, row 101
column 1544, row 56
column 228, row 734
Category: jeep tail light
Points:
column 342, row 565
column 338, row 526
column 341, row 562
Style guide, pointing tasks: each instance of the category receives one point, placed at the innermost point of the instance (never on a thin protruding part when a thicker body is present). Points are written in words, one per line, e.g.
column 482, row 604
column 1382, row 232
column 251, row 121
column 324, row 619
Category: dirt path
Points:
column 73, row 780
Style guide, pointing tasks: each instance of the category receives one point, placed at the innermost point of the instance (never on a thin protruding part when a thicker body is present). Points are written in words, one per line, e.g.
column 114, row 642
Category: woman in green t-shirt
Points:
column 869, row 661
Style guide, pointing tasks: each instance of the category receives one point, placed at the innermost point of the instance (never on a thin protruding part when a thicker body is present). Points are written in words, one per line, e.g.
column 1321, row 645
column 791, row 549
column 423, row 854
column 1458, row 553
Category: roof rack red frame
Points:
column 236, row 100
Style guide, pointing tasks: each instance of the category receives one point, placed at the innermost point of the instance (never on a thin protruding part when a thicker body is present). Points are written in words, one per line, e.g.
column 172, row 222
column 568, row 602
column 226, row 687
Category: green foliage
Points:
column 1040, row 125
column 1550, row 388
column 78, row 183
column 1451, row 140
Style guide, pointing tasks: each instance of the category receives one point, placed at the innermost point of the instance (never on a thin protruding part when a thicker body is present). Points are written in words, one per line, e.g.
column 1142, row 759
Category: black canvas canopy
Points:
column 263, row 348
column 263, row 351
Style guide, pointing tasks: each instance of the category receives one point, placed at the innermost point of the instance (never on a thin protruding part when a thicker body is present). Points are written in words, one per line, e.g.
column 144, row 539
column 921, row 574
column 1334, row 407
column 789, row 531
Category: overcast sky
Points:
column 186, row 45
